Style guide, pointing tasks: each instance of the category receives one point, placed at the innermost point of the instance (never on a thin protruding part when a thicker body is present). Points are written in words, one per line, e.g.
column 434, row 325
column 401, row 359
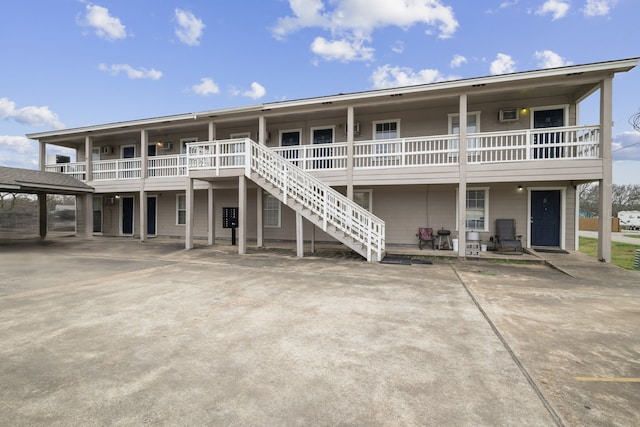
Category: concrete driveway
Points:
column 117, row 332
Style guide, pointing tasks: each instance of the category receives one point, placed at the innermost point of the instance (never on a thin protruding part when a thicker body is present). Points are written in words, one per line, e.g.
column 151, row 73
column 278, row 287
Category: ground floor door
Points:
column 545, row 217
column 97, row 214
column 127, row 216
column 151, row 215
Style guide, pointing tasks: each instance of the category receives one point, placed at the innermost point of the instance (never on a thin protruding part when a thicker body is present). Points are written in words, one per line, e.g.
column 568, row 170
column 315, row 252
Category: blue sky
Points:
column 70, row 63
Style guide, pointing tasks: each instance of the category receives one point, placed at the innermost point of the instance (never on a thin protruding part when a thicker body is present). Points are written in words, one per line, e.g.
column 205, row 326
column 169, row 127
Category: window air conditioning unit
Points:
column 167, row 146
column 509, row 115
column 107, row 149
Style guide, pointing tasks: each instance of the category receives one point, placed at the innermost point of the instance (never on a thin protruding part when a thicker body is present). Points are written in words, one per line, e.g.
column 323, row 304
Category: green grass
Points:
column 622, row 254
column 635, row 236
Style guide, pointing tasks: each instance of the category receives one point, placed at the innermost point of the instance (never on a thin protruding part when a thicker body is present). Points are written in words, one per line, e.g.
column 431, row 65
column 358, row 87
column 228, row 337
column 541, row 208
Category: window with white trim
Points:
column 271, row 211
column 363, row 198
column 473, row 126
column 181, row 209
column 477, row 209
column 388, row 129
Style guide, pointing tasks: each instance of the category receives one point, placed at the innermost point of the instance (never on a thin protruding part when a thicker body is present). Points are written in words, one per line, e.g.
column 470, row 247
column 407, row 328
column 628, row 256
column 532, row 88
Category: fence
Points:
column 591, row 224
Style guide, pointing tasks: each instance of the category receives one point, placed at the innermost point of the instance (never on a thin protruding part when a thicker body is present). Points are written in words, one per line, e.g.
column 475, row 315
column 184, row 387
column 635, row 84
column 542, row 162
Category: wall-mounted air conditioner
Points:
column 167, row 146
column 107, row 149
column 509, row 115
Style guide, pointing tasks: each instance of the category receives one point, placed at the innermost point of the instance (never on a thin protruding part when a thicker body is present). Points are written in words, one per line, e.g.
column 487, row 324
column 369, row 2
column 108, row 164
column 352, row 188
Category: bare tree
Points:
column 623, row 198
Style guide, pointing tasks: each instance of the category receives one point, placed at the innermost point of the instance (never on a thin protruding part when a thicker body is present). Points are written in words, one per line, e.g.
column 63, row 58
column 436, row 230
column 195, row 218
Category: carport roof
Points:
column 33, row 181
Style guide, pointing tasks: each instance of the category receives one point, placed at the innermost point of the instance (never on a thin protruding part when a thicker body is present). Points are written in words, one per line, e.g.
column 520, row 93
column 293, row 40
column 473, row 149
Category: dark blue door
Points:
column 545, row 218
column 127, row 215
column 151, row 216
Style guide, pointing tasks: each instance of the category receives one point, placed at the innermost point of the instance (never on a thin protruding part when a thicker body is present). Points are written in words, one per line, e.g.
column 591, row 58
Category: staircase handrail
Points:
column 328, row 204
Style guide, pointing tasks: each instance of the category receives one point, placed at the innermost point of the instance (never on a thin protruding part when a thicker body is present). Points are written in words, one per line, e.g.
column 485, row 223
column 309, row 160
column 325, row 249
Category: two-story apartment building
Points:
column 365, row 168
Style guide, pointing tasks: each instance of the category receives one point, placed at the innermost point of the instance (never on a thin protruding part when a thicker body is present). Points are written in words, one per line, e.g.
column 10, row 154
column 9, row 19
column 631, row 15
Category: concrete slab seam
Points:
column 556, row 418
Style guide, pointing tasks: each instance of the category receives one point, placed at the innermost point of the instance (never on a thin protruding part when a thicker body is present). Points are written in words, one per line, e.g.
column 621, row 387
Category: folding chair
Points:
column 506, row 238
column 426, row 237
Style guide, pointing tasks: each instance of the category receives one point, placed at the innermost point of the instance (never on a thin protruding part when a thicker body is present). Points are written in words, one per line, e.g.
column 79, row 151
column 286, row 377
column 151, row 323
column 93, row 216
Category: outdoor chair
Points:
column 426, row 237
column 506, row 238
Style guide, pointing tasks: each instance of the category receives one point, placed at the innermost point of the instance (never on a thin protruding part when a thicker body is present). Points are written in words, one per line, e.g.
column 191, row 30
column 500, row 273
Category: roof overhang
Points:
column 33, row 181
column 579, row 74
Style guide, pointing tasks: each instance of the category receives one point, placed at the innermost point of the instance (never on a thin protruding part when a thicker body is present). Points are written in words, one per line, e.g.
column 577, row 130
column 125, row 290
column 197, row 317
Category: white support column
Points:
column 188, row 229
column 313, row 238
column 299, row 235
column 262, row 130
column 88, row 158
column 462, row 172
column 350, row 139
column 42, row 155
column 606, row 139
column 144, row 151
column 211, row 215
column 259, row 217
column 143, row 215
column 242, row 215
column 212, row 131
column 88, row 216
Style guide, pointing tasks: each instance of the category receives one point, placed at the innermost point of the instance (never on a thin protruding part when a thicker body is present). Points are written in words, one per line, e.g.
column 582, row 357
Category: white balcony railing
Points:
column 117, row 169
column 76, row 170
column 575, row 142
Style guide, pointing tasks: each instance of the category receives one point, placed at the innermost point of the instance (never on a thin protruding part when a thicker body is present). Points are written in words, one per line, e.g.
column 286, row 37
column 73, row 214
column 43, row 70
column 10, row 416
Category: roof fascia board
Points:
column 612, row 66
column 622, row 65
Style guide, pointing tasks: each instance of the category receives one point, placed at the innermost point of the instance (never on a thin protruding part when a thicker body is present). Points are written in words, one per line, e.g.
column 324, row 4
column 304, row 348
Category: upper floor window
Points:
column 184, row 142
column 386, row 129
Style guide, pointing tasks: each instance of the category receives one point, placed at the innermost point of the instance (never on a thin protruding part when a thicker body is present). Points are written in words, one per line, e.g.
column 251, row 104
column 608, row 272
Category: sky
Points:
column 72, row 63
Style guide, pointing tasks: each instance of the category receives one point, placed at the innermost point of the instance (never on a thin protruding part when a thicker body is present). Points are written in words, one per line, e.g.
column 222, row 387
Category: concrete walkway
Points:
column 114, row 331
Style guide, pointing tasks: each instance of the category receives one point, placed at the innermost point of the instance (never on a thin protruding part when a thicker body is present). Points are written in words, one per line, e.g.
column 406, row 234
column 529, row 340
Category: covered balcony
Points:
column 485, row 149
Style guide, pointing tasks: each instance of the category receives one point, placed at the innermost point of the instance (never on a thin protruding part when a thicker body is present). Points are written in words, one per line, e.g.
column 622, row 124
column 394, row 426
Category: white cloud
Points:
column 599, row 7
column 457, row 61
column 17, row 145
column 132, row 73
column 352, row 22
column 398, row 47
column 257, row 91
column 341, row 50
column 387, row 76
column 503, row 64
column 626, row 146
column 550, row 59
column 105, row 26
column 190, row 27
column 206, row 87
column 33, row 116
column 557, row 8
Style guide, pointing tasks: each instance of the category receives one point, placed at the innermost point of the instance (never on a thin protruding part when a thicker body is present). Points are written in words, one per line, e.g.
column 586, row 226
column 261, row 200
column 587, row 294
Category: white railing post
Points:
column 404, row 152
column 247, row 157
column 527, row 144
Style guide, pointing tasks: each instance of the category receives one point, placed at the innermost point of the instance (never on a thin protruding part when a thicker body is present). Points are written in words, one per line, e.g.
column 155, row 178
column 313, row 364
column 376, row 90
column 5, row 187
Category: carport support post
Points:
column 242, row 215
column 211, row 215
column 606, row 123
column 42, row 214
column 188, row 228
